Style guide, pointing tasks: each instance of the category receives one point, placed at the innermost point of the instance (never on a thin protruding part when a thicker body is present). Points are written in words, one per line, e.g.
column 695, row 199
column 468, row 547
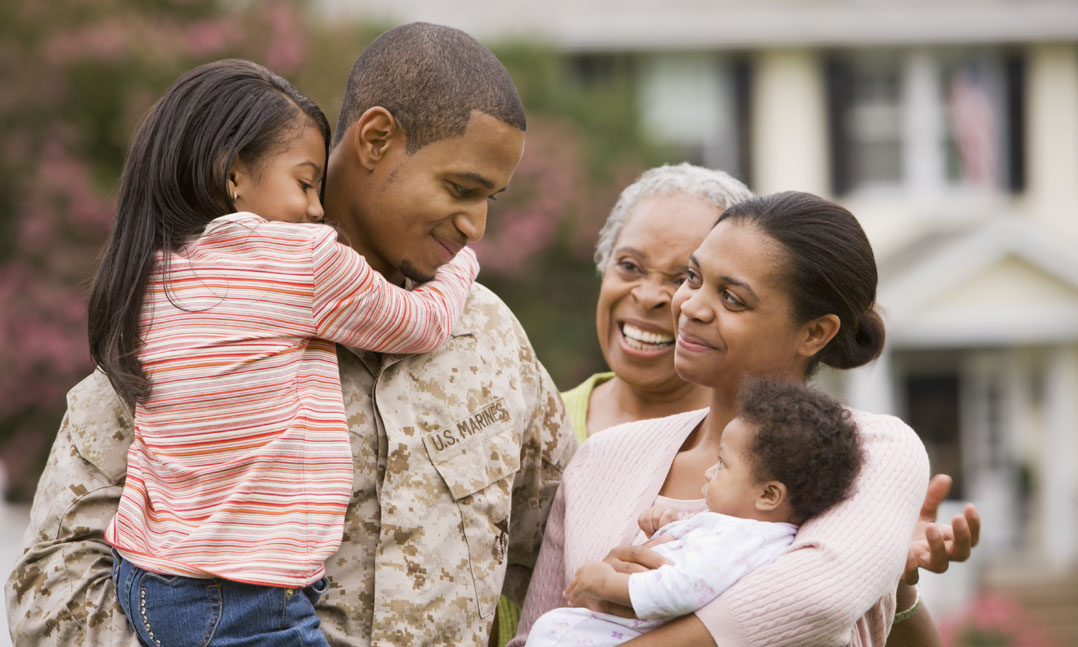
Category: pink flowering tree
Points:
column 80, row 74
column 540, row 238
column 993, row 620
column 583, row 147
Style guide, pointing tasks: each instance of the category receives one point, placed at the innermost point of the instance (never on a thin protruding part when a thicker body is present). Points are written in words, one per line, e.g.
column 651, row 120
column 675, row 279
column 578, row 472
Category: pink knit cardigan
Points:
column 835, row 585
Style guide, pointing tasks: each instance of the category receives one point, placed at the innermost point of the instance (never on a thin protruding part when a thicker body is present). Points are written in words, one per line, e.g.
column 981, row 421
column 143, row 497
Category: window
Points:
column 932, row 406
column 873, row 122
column 925, row 122
column 698, row 104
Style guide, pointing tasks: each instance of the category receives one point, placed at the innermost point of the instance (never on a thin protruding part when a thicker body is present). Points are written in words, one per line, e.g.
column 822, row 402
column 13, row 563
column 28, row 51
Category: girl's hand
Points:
column 656, row 517
column 589, row 582
column 935, row 545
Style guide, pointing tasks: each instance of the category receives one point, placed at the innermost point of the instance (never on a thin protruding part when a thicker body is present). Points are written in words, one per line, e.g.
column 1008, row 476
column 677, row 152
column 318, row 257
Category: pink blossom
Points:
column 286, row 46
column 992, row 619
column 107, row 40
column 546, row 192
column 209, row 37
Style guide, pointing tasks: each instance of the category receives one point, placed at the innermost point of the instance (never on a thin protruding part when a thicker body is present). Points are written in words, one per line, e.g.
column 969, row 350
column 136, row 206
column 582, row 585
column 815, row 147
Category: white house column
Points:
column 789, row 122
column 1052, row 131
column 923, row 126
column 1059, row 490
column 869, row 388
column 988, row 421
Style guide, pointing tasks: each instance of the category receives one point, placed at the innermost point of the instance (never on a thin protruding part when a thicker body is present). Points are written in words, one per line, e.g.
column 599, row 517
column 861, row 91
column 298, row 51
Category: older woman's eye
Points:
column 629, row 265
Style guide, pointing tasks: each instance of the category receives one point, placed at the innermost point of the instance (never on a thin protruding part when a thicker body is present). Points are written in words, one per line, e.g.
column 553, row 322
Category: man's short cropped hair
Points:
column 804, row 438
column 431, row 77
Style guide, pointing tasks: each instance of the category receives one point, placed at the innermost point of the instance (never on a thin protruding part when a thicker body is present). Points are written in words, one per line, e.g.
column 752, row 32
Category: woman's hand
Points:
column 589, row 582
column 935, row 545
column 656, row 517
column 624, row 560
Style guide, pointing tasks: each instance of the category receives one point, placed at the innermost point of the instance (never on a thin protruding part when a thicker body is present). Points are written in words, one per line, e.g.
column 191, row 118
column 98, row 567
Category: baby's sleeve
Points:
column 707, row 560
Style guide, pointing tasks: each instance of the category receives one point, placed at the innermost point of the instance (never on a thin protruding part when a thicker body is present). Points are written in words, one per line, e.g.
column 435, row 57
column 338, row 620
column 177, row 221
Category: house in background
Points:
column 950, row 128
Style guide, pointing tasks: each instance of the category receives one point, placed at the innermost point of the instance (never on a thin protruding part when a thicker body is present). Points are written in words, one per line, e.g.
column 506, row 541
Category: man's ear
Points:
column 374, row 135
column 816, row 333
column 771, row 495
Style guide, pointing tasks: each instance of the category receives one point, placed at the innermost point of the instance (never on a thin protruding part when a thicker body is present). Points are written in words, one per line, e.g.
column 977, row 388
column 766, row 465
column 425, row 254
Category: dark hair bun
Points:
column 829, row 269
column 850, row 349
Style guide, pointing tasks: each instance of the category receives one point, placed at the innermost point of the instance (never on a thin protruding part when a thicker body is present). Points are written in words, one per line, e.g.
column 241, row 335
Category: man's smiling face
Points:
column 418, row 210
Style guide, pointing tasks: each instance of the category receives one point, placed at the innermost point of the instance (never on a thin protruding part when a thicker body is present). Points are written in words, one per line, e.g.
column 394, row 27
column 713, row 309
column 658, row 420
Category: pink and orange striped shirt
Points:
column 240, row 467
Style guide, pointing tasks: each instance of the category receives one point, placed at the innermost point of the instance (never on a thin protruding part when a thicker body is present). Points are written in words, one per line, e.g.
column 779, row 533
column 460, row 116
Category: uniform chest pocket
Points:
column 477, row 457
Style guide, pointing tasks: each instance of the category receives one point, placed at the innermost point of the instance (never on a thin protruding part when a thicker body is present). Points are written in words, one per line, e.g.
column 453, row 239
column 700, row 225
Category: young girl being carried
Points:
column 215, row 311
column 790, row 454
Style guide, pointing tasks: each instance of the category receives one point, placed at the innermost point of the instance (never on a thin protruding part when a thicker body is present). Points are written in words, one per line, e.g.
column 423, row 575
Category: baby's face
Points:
column 731, row 488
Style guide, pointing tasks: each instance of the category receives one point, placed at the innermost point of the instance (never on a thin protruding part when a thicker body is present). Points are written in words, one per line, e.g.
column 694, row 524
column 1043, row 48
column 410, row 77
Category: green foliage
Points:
column 78, row 78
column 599, row 97
column 583, row 147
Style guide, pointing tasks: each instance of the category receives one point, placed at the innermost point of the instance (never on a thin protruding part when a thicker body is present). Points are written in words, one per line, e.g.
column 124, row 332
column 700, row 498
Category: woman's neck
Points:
column 617, row 401
column 699, row 451
column 722, row 407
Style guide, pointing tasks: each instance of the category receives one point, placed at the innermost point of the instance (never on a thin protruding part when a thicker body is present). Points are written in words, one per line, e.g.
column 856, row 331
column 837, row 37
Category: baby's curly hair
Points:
column 803, row 438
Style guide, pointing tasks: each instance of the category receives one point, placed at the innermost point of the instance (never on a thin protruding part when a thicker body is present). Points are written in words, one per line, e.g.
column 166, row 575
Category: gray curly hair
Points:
column 717, row 187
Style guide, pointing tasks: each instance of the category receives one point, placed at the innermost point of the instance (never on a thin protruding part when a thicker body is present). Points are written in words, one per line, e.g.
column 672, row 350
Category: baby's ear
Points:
column 772, row 494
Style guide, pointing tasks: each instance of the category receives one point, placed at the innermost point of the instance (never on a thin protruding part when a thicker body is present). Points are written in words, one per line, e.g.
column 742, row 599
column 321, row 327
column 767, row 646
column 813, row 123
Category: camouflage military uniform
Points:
column 457, row 456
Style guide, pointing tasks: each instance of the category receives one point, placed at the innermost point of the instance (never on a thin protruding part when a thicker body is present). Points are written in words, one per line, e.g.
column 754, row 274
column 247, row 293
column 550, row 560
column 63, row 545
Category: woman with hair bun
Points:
column 780, row 285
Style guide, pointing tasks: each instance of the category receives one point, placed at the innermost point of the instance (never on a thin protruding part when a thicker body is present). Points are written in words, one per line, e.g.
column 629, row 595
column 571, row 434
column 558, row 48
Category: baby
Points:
column 790, row 454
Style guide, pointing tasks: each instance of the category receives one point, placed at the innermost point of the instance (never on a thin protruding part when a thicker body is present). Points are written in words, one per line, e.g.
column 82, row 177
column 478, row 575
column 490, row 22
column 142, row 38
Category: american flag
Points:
column 973, row 125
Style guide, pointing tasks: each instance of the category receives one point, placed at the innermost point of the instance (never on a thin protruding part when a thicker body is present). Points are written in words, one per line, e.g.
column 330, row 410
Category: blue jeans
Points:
column 176, row 611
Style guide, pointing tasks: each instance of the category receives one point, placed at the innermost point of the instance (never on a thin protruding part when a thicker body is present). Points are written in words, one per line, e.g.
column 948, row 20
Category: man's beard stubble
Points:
column 413, row 273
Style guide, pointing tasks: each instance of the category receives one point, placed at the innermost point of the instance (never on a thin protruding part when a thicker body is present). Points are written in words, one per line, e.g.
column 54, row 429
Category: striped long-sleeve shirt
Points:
column 240, row 467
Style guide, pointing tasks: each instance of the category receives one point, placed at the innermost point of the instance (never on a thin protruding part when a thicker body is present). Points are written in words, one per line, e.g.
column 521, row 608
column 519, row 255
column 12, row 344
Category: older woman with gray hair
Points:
column 642, row 256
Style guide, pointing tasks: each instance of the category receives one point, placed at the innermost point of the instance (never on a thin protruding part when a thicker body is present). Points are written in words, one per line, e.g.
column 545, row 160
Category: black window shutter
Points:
column 837, row 79
column 742, row 71
column 1014, row 67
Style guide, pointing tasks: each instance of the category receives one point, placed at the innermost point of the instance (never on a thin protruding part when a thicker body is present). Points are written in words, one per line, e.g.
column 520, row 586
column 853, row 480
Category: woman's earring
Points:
column 234, row 197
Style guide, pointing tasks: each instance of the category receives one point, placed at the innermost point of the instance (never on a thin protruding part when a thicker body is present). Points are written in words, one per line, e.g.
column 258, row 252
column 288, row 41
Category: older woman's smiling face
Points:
column 650, row 257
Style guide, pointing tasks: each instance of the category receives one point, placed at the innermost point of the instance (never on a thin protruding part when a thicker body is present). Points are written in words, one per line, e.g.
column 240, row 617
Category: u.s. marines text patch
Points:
column 459, row 434
column 476, row 450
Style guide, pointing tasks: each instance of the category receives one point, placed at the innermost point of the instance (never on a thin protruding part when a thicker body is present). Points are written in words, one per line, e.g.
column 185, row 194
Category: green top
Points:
column 576, row 403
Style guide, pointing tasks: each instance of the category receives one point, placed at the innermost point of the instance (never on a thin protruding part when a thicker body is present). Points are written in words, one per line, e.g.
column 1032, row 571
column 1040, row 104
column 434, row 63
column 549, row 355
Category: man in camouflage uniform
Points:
column 457, row 452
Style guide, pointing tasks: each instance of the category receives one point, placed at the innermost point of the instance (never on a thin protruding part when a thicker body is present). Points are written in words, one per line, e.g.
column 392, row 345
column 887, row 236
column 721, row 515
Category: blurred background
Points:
column 950, row 127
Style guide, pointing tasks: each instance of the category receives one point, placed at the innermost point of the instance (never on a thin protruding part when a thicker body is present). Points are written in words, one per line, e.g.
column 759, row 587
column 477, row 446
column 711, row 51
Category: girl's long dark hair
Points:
column 174, row 182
